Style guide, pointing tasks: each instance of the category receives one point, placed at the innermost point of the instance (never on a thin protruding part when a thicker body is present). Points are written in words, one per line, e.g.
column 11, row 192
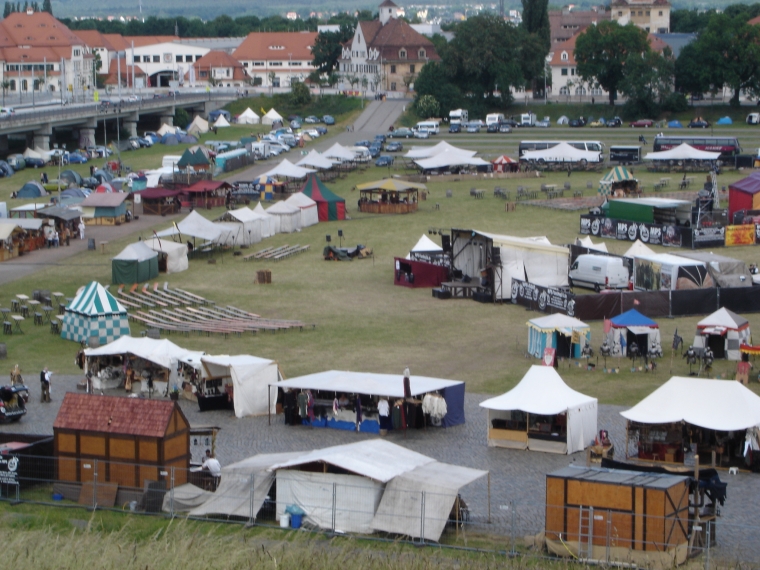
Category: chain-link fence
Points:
column 325, row 499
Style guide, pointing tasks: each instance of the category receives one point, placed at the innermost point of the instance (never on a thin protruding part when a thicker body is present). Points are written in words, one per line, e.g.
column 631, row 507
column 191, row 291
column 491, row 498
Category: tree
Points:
column 181, row 118
column 426, row 106
column 601, row 52
column 328, row 48
column 535, row 21
column 647, row 83
column 434, row 81
column 8, row 10
column 299, row 94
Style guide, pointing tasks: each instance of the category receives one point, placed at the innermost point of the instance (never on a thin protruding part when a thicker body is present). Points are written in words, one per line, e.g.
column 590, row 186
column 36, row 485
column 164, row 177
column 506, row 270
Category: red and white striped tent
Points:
column 504, row 164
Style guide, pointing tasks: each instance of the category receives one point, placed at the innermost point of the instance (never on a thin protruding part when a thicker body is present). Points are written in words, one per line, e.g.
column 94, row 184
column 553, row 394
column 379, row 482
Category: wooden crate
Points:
column 263, row 276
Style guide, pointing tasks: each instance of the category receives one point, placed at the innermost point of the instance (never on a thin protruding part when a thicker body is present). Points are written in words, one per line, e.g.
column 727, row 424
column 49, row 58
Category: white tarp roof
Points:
column 199, row 124
column 390, row 385
column 450, row 158
column 301, row 200
column 723, row 318
column 562, row 152
column 429, row 151
column 723, row 405
column 165, row 130
column 425, row 244
column 176, row 253
column 7, row 229
column 159, row 351
column 558, row 322
column 194, row 225
column 682, row 152
column 638, row 249
column 253, row 379
column 136, row 252
column 318, row 161
column 289, row 170
column 282, row 207
column 270, row 117
column 221, row 122
column 29, row 223
column 340, row 152
column 248, row 117
column 540, row 243
column 269, row 224
column 244, row 214
column 585, row 241
column 541, row 391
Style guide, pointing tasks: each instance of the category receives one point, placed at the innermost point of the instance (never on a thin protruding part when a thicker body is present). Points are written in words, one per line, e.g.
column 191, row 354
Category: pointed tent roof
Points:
column 282, row 208
column 248, row 117
column 95, row 300
column 199, row 124
column 289, row 170
column 190, row 158
column 541, row 391
column 221, row 122
column 244, row 214
column 136, row 252
column 557, row 322
column 300, row 200
column 340, row 152
column 682, row 152
column 315, row 189
column 194, row 225
column 633, row 318
column 425, row 244
column 723, row 318
column 638, row 248
column 617, row 174
column 430, row 151
column 316, row 160
column 271, row 116
column 165, row 130
column 259, row 209
column 503, row 159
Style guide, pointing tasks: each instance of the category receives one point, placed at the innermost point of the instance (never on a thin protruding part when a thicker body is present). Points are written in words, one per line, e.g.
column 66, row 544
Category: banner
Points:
column 740, row 235
column 713, row 237
column 623, row 230
column 9, row 470
column 544, row 299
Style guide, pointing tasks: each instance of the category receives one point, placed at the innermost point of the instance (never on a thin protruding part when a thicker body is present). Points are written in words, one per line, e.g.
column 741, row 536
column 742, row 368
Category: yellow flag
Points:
column 263, row 112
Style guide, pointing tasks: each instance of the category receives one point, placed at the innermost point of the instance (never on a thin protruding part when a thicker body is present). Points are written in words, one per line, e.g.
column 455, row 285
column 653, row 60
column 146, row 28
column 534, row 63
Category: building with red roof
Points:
column 276, row 59
column 217, row 68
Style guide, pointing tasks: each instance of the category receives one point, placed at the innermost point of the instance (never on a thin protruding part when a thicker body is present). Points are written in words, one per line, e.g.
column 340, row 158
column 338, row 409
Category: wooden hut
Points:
column 623, row 516
column 105, row 208
column 128, row 441
column 160, row 201
column 206, row 194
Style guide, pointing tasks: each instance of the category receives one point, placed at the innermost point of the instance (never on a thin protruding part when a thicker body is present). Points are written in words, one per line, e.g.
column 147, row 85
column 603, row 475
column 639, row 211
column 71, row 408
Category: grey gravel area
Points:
column 516, row 477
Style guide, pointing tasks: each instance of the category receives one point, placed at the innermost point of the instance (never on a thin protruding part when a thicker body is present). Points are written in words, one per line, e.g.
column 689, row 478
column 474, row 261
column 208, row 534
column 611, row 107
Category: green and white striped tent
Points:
column 617, row 174
column 94, row 312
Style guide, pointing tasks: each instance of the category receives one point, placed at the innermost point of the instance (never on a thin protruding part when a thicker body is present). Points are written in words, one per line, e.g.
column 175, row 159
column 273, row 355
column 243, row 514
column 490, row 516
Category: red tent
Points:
column 504, row 164
column 744, row 195
column 330, row 206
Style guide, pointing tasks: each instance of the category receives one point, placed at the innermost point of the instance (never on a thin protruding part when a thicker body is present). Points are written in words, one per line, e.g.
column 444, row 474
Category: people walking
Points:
column 45, row 385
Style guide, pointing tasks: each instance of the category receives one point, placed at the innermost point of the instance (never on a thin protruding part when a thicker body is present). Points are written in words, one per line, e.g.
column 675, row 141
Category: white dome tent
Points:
column 271, row 117
column 248, row 117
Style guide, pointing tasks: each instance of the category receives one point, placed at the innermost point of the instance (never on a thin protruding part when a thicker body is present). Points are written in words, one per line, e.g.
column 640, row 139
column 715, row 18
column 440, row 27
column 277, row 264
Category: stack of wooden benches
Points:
column 177, row 310
column 276, row 253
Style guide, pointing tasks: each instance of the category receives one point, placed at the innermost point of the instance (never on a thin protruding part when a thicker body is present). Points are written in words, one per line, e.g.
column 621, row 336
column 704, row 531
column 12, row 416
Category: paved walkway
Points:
column 516, row 476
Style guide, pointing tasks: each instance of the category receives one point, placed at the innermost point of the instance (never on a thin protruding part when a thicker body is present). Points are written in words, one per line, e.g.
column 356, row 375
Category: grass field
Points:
column 363, row 321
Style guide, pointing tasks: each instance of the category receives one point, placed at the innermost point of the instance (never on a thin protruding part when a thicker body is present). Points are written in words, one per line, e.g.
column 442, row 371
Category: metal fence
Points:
column 341, row 503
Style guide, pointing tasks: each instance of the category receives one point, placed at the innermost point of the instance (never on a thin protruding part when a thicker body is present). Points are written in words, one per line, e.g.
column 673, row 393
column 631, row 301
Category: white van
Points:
column 599, row 272
column 528, row 120
column 430, row 126
column 494, row 118
column 458, row 116
column 361, row 153
column 752, row 118
column 7, row 111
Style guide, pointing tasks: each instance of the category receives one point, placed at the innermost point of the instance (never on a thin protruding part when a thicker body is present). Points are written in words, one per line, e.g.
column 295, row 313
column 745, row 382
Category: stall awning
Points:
column 640, row 330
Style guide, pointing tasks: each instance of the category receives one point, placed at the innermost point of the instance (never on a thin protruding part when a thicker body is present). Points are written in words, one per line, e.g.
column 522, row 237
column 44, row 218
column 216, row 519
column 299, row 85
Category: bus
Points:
column 580, row 145
column 727, row 146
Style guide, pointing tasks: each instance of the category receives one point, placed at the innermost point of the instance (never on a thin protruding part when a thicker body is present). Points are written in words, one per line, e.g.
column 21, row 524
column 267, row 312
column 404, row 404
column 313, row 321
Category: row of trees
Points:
column 11, row 7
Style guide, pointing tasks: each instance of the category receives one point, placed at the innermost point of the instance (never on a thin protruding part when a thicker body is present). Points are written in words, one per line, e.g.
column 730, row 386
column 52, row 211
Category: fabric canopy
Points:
column 199, row 125
column 425, row 244
column 638, row 249
column 563, row 152
column 158, row 351
column 632, row 318
column 617, row 174
column 316, row 160
column 330, row 206
column 723, row 318
column 586, row 242
column 269, row 223
column 682, row 152
column 390, row 184
column 558, row 322
column 340, row 152
column 248, row 117
column 723, row 405
column 221, row 122
column 254, row 381
column 430, row 151
column 94, row 313
column 271, row 117
column 194, row 225
column 307, row 206
column 176, row 254
column 137, row 263
column 95, row 300
column 450, row 158
column 287, row 217
column 287, row 169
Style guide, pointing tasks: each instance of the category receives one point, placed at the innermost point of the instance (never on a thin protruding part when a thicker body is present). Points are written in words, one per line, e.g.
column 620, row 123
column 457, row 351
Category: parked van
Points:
column 458, row 116
column 752, row 118
column 528, row 120
column 599, row 272
column 494, row 118
column 430, row 126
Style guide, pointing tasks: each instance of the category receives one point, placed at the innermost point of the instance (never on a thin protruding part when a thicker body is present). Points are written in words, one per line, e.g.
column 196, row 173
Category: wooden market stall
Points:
column 9, row 234
column 160, row 201
column 206, row 194
column 133, row 440
column 105, row 208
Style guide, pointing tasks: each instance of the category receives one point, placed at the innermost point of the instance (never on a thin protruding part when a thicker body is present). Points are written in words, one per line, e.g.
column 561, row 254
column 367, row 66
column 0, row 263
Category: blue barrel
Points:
column 295, row 521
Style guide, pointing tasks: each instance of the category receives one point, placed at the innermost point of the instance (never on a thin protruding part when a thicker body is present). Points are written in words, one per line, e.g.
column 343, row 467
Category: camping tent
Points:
column 287, row 217
column 744, row 194
column 32, row 189
column 629, row 327
column 253, row 381
column 175, row 254
column 723, row 331
column 166, row 130
column 248, row 117
column 567, row 335
column 675, row 124
column 567, row 421
column 430, row 151
column 271, row 117
column 617, row 178
column 308, row 207
column 725, row 121
column 199, row 125
column 330, row 206
column 243, row 225
column 563, row 120
column 137, row 263
column 287, row 169
column 221, row 122
column 268, row 221
column 94, row 312
column 682, row 152
column 316, row 160
column 562, row 152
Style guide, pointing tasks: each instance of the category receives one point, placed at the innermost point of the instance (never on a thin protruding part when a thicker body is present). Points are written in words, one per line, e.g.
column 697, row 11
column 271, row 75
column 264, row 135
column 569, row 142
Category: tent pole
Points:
column 269, row 407
column 489, row 497
column 627, row 424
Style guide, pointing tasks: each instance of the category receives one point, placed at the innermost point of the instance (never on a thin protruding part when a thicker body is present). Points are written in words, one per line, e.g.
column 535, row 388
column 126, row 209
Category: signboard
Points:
column 740, row 235
column 550, row 355
column 545, row 299
column 624, row 230
column 714, row 237
column 9, row 469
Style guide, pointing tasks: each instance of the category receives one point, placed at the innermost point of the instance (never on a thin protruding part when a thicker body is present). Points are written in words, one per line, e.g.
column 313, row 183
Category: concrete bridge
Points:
column 39, row 123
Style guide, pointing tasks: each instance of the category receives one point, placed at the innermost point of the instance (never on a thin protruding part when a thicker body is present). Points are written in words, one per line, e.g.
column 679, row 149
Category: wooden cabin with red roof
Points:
column 134, row 440
column 205, row 194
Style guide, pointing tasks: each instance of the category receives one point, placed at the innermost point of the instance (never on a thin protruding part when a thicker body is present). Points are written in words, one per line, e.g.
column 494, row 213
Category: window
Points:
column 421, row 54
column 203, row 73
column 620, row 13
column 146, row 58
column 295, row 63
column 564, row 90
column 12, row 85
column 24, row 85
column 572, row 71
column 197, row 57
column 411, row 69
column 402, row 54
column 245, row 64
column 228, row 72
column 648, row 14
column 393, row 86
column 77, row 53
column 564, row 56
column 660, row 14
column 156, row 59
column 641, row 13
column 276, row 82
column 393, row 69
column 136, row 59
column 179, row 58
column 597, row 91
column 261, row 64
column 564, row 71
column 580, row 91
column 647, row 28
column 275, row 64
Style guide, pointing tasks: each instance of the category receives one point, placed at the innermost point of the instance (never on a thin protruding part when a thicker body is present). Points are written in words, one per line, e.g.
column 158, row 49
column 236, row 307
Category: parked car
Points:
column 140, row 142
column 394, row 146
column 615, row 122
column 295, row 124
column 374, row 150
column 384, row 160
column 380, row 138
column 313, row 133
column 321, row 130
column 544, row 123
column 511, row 122
column 455, row 128
column 493, row 128
column 311, row 120
column 698, row 123
column 473, row 127
column 504, row 128
column 579, row 122
column 13, row 401
column 77, row 158
column 33, row 162
column 328, row 120
column 6, row 112
column 364, row 143
column 422, row 134
column 401, row 133
column 642, row 124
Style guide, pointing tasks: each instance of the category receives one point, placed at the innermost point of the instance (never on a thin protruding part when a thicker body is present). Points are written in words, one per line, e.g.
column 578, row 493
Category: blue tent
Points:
column 169, row 139
column 725, row 121
column 632, row 327
column 675, row 124
column 31, row 189
column 632, row 318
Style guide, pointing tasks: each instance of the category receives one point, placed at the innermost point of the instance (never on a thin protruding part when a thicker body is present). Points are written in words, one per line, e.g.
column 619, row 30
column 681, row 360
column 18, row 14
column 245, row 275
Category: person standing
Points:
column 81, row 229
column 45, row 384
column 212, row 468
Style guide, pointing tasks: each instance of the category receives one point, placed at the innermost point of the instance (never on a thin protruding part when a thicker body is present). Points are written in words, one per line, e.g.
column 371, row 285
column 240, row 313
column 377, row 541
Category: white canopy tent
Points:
column 307, row 206
column 542, row 392
column 195, row 225
column 316, row 160
column 248, row 117
column 723, row 332
column 562, row 152
column 638, row 249
column 287, row 169
column 221, row 122
column 450, row 159
column 268, row 221
column 253, row 381
column 246, row 229
column 287, row 217
column 199, row 125
column 682, row 152
column 176, row 253
column 340, row 153
column 722, row 405
column 424, row 246
column 271, row 117
column 417, row 152
column 166, row 129
column 586, row 242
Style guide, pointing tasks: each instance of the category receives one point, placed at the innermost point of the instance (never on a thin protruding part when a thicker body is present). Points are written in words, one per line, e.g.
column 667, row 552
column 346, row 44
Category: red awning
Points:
column 158, row 193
